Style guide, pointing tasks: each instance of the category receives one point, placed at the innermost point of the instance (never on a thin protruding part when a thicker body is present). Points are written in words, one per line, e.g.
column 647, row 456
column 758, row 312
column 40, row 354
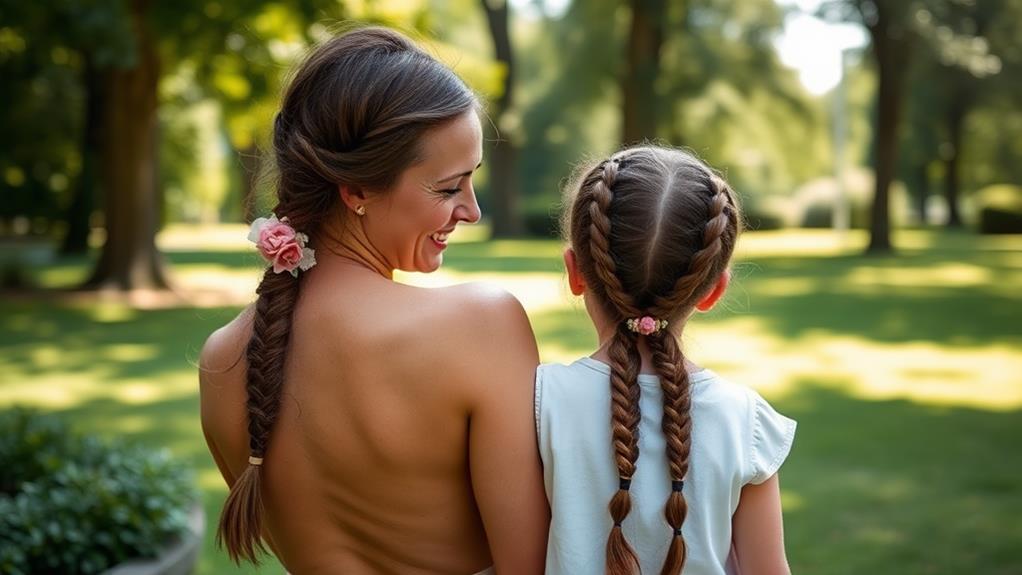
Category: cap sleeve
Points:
column 772, row 437
column 537, row 405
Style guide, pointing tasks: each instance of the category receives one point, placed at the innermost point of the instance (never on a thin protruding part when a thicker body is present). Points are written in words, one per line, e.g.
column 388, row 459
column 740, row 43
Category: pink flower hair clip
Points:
column 645, row 325
column 281, row 245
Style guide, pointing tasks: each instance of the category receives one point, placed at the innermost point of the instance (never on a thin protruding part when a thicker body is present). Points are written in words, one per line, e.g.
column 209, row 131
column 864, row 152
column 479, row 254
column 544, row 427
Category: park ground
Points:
column 904, row 372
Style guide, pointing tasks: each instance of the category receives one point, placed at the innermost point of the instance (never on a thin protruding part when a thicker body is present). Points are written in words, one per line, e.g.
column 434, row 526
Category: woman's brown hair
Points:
column 353, row 114
column 653, row 229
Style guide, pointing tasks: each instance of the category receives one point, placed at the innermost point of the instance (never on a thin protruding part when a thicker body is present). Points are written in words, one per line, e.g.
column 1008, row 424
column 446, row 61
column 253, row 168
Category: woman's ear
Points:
column 353, row 197
column 576, row 282
column 710, row 300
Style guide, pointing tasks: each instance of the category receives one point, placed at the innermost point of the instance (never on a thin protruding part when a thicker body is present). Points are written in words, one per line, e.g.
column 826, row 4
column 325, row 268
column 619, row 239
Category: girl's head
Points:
column 374, row 136
column 652, row 230
column 651, row 233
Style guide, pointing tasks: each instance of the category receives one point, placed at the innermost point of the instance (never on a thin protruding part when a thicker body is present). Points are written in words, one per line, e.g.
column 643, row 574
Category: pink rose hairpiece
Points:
column 280, row 245
column 645, row 325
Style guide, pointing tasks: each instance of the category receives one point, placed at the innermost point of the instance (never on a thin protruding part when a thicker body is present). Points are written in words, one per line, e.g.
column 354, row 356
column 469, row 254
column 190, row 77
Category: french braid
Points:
column 625, row 363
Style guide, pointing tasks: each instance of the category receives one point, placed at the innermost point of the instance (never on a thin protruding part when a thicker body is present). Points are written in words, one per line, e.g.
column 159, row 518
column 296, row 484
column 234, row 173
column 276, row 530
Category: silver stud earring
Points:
column 360, row 210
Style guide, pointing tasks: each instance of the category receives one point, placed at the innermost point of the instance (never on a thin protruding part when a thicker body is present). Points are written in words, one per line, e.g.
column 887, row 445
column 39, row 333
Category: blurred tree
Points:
column 162, row 33
column 640, row 102
column 129, row 258
column 714, row 82
column 975, row 57
column 503, row 157
column 52, row 55
column 890, row 24
column 726, row 94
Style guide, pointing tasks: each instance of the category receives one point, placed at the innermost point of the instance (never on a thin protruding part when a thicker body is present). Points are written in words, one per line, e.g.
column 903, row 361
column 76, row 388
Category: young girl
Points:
column 688, row 461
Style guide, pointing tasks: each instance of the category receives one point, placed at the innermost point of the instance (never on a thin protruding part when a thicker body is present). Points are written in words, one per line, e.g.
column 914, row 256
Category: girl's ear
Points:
column 710, row 300
column 576, row 282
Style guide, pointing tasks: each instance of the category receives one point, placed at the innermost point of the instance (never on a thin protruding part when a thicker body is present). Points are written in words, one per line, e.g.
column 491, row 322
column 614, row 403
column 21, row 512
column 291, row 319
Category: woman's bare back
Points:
column 403, row 430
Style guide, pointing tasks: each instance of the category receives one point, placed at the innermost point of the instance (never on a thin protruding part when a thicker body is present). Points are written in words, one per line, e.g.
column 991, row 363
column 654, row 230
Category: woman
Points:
column 366, row 426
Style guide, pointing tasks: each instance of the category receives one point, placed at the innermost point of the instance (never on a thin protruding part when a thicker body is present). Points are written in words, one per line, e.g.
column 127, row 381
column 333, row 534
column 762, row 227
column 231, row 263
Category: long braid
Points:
column 240, row 529
column 625, row 363
column 669, row 362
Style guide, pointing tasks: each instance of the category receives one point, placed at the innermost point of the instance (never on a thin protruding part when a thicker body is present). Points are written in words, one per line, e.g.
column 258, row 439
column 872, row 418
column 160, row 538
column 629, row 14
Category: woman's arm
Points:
column 758, row 530
column 507, row 474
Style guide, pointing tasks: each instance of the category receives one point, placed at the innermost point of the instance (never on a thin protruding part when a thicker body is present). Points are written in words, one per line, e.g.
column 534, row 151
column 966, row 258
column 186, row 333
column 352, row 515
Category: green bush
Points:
column 78, row 505
column 1000, row 209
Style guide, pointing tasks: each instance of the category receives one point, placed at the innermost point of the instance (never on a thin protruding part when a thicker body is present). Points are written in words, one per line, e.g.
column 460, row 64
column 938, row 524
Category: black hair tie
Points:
column 677, row 531
column 677, row 485
column 625, row 483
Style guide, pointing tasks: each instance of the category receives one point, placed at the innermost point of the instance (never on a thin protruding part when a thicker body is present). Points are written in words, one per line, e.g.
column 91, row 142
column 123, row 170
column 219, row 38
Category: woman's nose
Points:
column 468, row 210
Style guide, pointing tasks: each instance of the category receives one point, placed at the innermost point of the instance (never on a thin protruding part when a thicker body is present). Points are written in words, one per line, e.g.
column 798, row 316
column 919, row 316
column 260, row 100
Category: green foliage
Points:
column 78, row 505
column 1000, row 209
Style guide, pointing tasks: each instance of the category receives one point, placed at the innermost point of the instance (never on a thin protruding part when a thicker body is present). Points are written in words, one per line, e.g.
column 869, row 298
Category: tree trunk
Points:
column 890, row 49
column 507, row 220
column 642, row 64
column 76, row 240
column 129, row 259
column 952, row 178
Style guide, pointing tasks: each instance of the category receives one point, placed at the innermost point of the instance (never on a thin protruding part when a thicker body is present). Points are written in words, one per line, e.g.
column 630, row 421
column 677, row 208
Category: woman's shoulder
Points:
column 224, row 347
column 478, row 309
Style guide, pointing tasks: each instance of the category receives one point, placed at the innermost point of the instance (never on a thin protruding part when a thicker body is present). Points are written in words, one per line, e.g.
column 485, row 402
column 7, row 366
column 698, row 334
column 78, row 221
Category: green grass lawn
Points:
column 905, row 374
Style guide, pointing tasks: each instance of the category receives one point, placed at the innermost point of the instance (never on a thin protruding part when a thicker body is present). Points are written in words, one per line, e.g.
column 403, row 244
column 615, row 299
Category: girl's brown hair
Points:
column 354, row 114
column 653, row 229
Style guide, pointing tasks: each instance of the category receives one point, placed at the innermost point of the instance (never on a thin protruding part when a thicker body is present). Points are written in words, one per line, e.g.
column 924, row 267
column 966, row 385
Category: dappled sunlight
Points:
column 791, row 501
column 745, row 350
column 110, row 312
column 946, row 275
column 210, row 480
column 802, row 242
column 67, row 390
column 127, row 352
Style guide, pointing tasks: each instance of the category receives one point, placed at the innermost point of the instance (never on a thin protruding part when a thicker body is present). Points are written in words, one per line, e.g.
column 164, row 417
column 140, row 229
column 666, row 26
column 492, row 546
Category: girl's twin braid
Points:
column 625, row 364
column 601, row 183
column 704, row 262
column 669, row 362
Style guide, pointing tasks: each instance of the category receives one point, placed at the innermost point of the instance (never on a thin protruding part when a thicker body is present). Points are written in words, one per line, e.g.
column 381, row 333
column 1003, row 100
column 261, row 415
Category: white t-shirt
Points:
column 737, row 439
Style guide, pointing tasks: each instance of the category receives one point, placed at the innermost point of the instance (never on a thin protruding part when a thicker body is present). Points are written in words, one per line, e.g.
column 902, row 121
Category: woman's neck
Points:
column 345, row 242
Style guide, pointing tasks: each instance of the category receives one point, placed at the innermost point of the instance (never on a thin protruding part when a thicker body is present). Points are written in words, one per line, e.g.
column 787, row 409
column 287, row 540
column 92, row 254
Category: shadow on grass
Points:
column 113, row 341
column 901, row 488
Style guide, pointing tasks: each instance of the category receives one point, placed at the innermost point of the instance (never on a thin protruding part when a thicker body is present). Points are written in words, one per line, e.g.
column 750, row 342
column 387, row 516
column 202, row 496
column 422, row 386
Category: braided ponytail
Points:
column 693, row 219
column 240, row 528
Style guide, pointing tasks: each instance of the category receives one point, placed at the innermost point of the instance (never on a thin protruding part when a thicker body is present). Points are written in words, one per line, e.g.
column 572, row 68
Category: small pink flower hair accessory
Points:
column 281, row 245
column 645, row 325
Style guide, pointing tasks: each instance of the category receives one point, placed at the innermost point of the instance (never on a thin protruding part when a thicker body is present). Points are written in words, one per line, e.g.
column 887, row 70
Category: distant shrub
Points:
column 763, row 213
column 78, row 505
column 542, row 220
column 999, row 209
column 816, row 199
